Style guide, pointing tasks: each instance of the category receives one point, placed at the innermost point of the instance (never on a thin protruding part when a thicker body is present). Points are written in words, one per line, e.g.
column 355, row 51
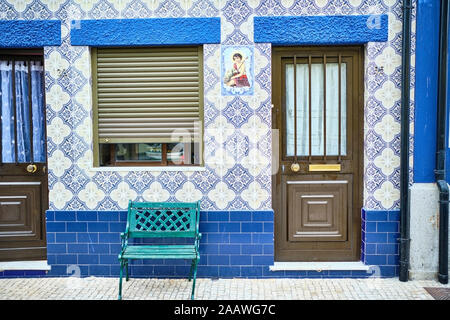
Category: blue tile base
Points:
column 237, row 244
column 379, row 245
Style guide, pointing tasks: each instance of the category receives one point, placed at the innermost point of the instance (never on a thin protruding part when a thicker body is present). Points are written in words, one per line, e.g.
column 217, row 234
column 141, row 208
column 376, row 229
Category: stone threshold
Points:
column 25, row 265
column 319, row 266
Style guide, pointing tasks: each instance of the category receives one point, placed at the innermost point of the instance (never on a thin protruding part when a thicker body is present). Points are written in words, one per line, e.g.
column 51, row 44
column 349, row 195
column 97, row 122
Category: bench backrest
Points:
column 163, row 219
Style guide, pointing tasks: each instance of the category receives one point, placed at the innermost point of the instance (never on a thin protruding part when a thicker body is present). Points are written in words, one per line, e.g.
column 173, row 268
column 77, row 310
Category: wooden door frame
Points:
column 358, row 119
column 31, row 250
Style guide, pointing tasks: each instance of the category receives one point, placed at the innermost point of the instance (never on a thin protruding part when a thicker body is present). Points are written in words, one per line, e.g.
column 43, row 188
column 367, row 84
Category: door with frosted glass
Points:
column 317, row 190
column 23, row 175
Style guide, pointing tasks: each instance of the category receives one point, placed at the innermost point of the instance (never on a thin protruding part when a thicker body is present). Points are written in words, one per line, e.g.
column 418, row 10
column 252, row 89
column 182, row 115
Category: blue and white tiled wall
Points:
column 238, row 243
column 237, row 174
column 234, row 244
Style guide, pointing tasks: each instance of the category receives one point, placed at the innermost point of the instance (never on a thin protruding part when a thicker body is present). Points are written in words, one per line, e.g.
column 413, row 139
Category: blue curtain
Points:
column 37, row 98
column 23, row 122
column 7, row 112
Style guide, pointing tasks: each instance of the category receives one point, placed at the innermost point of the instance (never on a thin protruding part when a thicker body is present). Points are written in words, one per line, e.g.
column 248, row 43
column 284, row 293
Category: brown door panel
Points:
column 23, row 202
column 317, row 214
column 20, row 211
column 333, row 238
column 23, row 253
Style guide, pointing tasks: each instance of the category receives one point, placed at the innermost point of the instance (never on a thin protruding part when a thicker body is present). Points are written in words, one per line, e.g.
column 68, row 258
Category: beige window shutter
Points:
column 145, row 95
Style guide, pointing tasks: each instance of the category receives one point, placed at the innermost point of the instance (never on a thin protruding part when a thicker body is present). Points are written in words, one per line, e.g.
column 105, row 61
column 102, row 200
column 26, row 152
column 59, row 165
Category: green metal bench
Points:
column 161, row 220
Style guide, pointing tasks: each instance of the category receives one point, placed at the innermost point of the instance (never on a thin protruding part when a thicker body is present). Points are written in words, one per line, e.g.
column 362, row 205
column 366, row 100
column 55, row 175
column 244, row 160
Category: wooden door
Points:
column 317, row 191
column 23, row 167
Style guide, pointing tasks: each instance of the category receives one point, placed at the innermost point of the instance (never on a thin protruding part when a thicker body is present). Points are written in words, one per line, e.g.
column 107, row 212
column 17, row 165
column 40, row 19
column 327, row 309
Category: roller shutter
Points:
column 147, row 94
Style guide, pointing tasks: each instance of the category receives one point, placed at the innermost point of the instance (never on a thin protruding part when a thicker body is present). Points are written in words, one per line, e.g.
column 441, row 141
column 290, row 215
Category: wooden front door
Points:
column 23, row 161
column 317, row 191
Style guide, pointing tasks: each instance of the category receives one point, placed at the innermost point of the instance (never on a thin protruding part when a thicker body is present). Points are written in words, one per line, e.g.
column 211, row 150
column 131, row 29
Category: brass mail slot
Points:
column 325, row 167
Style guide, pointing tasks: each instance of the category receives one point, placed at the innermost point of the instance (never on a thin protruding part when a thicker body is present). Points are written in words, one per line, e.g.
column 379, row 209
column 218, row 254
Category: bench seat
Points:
column 159, row 252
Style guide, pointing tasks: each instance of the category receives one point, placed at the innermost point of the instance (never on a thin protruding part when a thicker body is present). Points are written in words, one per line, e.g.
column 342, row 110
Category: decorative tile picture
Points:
column 237, row 70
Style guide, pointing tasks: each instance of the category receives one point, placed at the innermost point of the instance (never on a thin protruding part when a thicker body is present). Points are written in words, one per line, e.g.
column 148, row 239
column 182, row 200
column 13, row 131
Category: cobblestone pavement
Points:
column 94, row 288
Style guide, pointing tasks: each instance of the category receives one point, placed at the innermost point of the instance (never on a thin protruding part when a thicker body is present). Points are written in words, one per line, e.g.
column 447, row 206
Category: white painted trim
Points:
column 318, row 182
column 319, row 266
column 25, row 265
column 148, row 169
column 317, row 196
column 13, row 197
column 12, row 183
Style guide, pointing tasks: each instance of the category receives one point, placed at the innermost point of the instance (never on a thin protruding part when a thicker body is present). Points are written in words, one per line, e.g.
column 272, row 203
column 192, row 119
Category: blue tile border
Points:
column 321, row 30
column 379, row 245
column 145, row 32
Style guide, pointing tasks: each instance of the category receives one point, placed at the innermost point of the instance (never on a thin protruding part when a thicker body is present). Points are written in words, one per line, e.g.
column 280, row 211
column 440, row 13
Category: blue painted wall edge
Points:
column 314, row 30
column 427, row 47
column 143, row 32
column 29, row 33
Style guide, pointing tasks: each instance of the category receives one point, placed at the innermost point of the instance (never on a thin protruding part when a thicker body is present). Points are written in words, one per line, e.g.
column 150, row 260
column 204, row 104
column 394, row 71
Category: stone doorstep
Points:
column 25, row 265
column 319, row 266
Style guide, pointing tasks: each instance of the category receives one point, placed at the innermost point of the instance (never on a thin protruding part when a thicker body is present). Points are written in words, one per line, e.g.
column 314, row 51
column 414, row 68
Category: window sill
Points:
column 309, row 266
column 150, row 168
column 25, row 265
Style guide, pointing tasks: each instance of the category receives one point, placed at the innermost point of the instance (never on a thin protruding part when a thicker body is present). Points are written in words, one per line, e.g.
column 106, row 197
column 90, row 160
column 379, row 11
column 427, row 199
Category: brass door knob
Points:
column 295, row 167
column 31, row 168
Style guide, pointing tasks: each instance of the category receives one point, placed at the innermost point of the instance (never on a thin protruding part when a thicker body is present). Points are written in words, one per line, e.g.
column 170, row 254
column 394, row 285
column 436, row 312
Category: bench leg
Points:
column 120, row 280
column 126, row 269
column 192, row 268
column 194, row 278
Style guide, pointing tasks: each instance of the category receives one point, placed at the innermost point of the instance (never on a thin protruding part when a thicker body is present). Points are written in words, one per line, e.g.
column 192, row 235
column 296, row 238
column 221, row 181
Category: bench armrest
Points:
column 124, row 239
column 198, row 236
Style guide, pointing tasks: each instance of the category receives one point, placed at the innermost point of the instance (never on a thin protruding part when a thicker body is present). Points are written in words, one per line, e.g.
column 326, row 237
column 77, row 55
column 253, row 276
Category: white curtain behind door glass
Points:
column 317, row 123
column 22, row 112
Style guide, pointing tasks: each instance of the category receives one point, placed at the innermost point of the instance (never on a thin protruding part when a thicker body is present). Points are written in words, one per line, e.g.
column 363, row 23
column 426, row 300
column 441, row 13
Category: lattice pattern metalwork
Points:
column 170, row 219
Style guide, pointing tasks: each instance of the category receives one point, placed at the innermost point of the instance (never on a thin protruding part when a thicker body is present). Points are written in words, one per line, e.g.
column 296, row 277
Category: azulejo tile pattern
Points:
column 236, row 181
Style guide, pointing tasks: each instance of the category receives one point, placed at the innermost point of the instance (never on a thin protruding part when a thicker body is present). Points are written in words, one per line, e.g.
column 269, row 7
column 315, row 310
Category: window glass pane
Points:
column 317, row 114
column 317, row 109
column 183, row 153
column 148, row 152
column 333, row 109
column 175, row 153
